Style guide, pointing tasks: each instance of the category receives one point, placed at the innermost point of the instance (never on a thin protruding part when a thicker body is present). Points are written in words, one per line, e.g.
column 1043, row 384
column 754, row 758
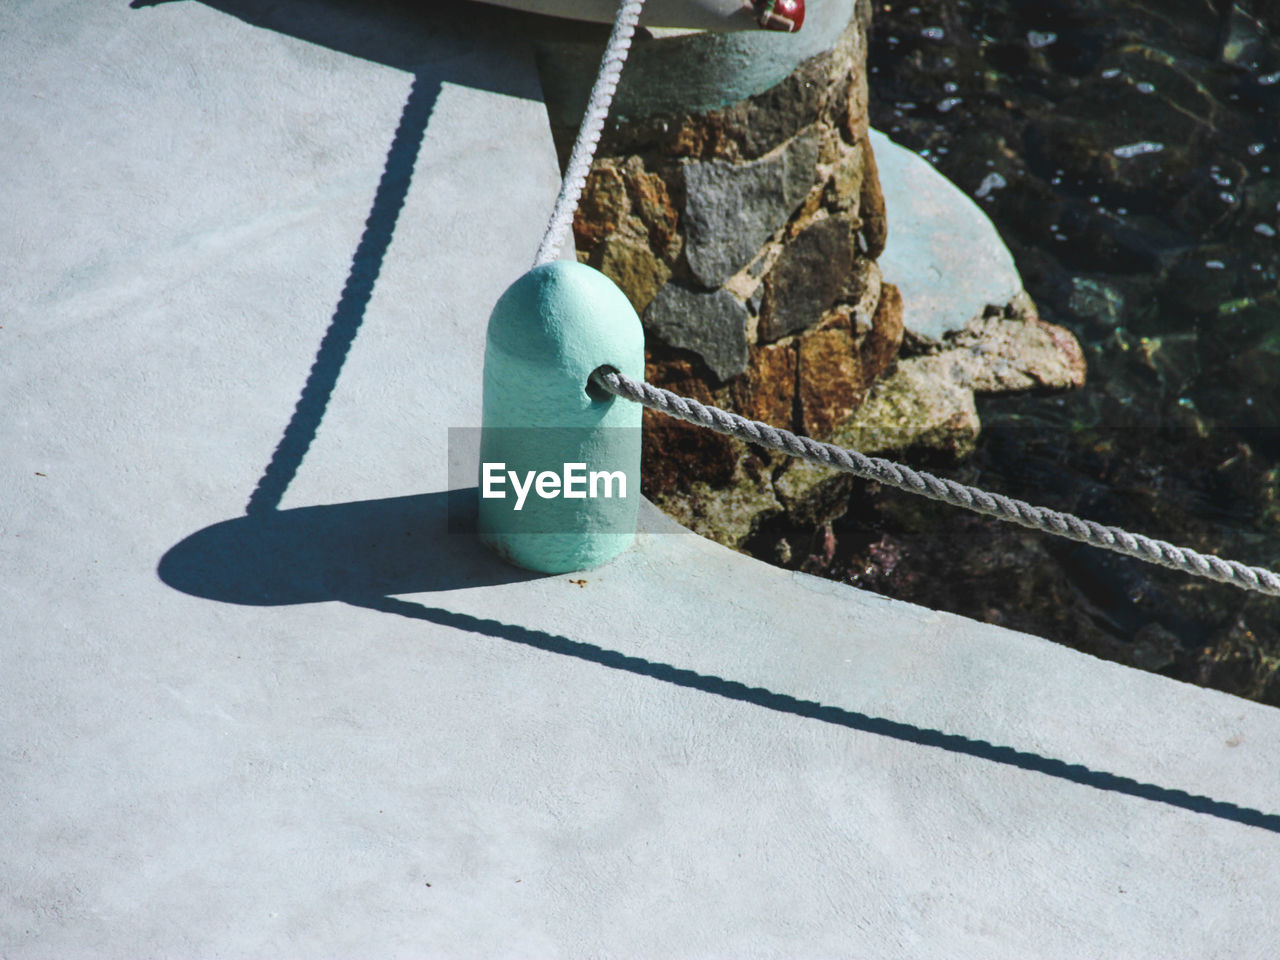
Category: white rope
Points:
column 936, row 488
column 584, row 148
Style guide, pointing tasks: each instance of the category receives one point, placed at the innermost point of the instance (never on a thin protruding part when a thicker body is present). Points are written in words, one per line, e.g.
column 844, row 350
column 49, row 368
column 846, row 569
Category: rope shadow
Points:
column 324, row 553
column 838, row 716
column 366, row 264
column 361, row 553
column 428, row 41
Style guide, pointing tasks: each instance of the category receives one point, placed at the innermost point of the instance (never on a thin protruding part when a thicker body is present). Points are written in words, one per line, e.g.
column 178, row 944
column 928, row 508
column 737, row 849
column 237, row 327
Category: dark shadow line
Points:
column 783, row 703
column 366, row 264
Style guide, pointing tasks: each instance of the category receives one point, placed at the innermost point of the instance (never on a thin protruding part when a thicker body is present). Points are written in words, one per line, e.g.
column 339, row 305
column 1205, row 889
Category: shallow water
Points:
column 1129, row 153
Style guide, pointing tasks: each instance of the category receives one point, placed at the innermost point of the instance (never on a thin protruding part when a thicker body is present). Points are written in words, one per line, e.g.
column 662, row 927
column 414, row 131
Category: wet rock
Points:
column 728, row 513
column 1262, row 202
column 1243, row 662
column 1139, row 157
column 1172, row 114
column 812, row 273
column 995, row 355
column 731, row 209
column 1154, row 647
column 920, row 405
column 1244, row 39
column 1096, row 300
column 712, row 325
column 1199, row 283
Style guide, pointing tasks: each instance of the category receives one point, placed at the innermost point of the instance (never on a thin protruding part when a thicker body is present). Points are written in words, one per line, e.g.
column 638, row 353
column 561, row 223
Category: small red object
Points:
column 784, row 15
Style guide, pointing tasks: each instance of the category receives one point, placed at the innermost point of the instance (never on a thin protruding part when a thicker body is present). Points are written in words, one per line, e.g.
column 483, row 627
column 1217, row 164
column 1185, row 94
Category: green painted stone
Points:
column 547, row 333
column 685, row 74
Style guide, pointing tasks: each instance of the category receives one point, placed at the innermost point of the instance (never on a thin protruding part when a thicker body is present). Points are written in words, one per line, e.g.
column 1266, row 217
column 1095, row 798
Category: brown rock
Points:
column 651, row 201
column 830, row 149
column 838, row 109
column 670, row 200
column 995, row 355
column 830, row 376
column 767, row 391
column 875, row 225
column 603, row 207
column 849, row 105
column 881, row 345
column 672, row 451
column 844, row 189
column 863, row 293
column 634, row 268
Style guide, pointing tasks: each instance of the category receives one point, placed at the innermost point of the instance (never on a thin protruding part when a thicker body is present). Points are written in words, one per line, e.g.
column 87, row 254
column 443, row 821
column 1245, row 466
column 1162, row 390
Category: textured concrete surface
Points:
column 270, row 711
column 944, row 254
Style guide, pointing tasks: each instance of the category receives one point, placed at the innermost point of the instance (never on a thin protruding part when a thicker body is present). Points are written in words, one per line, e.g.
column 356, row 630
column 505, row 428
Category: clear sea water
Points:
column 1129, row 153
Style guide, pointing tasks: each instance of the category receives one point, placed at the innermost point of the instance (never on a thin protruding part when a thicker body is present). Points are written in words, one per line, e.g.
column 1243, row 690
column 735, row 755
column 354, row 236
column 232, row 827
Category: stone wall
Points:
column 747, row 237
column 747, row 240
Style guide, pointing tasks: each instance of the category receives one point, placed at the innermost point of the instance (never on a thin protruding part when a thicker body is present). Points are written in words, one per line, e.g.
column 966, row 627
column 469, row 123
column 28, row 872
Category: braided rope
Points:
column 584, row 147
column 936, row 488
column 871, row 468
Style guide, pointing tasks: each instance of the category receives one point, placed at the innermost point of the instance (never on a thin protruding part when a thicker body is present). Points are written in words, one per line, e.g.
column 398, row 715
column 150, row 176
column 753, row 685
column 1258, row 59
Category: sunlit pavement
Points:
column 256, row 701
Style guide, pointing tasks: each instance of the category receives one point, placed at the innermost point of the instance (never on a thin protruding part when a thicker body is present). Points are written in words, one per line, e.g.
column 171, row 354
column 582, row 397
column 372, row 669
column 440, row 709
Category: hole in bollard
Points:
column 596, row 392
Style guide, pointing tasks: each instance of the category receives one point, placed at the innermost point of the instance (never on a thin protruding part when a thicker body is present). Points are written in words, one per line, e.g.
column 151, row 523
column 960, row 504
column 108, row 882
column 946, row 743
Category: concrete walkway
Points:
column 256, row 702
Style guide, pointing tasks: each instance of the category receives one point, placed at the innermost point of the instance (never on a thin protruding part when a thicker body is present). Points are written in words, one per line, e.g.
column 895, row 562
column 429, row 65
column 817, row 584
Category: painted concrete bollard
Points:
column 559, row 459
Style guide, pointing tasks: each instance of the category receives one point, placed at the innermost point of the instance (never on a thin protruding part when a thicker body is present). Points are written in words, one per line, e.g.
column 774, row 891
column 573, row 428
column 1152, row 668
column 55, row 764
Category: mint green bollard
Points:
column 559, row 468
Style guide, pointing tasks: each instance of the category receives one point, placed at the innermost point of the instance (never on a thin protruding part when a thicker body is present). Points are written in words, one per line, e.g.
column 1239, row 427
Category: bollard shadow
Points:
column 339, row 552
